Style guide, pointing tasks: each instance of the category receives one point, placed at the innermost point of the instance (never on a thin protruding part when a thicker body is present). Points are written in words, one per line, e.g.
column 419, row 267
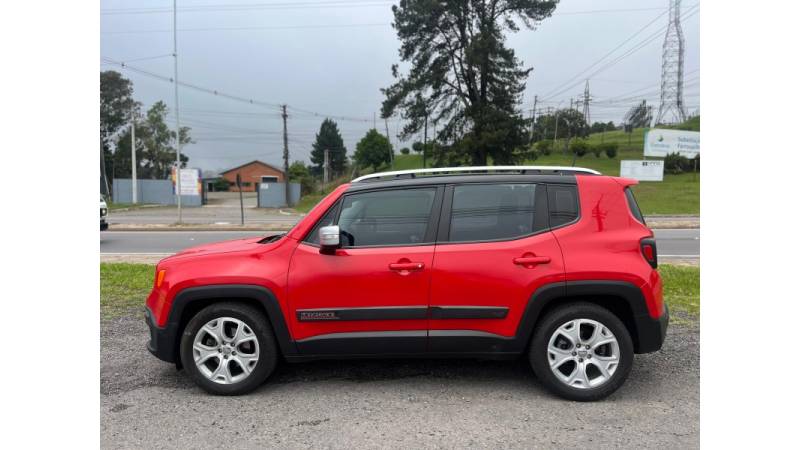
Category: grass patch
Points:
column 124, row 287
column 308, row 201
column 681, row 289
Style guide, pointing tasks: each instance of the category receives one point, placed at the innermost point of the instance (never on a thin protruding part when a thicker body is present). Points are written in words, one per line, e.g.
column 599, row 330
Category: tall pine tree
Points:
column 329, row 138
column 463, row 75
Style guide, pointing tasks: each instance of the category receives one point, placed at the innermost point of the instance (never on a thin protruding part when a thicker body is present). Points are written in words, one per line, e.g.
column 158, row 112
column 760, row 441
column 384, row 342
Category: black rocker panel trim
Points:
column 365, row 343
column 468, row 312
column 375, row 313
column 469, row 341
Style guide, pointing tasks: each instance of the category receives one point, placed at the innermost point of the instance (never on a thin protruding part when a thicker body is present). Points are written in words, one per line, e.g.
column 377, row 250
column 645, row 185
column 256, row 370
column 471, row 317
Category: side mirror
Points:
column 329, row 238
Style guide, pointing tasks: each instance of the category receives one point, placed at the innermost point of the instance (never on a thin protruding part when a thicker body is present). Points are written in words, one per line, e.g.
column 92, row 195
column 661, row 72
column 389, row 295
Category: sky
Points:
column 330, row 58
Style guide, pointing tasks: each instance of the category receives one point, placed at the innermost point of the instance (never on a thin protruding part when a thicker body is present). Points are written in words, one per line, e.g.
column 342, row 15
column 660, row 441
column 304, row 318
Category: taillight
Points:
column 649, row 252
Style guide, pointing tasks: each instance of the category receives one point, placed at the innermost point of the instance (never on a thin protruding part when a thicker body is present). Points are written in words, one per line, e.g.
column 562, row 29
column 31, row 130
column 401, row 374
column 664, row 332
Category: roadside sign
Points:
column 642, row 170
column 190, row 181
column 660, row 142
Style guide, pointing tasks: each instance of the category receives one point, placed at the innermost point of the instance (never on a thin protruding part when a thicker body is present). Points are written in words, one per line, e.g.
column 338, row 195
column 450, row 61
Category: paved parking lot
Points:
column 146, row 403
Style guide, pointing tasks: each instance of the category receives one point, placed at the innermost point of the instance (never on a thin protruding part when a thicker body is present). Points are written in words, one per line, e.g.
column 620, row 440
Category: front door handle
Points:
column 529, row 262
column 405, row 266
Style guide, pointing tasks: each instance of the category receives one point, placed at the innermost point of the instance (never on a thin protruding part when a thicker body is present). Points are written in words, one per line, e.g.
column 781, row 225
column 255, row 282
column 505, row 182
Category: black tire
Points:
column 538, row 354
column 260, row 326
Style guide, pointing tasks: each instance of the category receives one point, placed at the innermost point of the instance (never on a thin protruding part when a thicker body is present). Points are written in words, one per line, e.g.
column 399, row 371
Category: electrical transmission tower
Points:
column 586, row 99
column 672, row 109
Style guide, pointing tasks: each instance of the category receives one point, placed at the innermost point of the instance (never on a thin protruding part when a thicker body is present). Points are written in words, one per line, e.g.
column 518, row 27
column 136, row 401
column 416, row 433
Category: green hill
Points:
column 677, row 194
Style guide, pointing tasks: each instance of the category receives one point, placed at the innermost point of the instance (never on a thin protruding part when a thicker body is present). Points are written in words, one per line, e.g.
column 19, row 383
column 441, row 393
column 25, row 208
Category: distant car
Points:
column 103, row 214
column 549, row 263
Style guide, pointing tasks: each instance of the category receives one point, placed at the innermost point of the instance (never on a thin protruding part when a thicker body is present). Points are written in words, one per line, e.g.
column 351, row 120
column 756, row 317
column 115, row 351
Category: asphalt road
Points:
column 146, row 403
column 682, row 243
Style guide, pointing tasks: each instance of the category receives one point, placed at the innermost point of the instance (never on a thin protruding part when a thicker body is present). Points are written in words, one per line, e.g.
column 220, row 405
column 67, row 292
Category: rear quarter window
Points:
column 563, row 204
column 634, row 207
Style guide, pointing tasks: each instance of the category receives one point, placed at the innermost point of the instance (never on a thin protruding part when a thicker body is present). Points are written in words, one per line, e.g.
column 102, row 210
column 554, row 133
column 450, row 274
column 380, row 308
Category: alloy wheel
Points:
column 225, row 350
column 583, row 353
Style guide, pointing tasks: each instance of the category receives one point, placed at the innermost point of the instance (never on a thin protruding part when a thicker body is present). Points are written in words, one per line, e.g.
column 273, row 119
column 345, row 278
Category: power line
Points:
column 641, row 44
column 249, row 7
column 223, row 94
column 279, row 27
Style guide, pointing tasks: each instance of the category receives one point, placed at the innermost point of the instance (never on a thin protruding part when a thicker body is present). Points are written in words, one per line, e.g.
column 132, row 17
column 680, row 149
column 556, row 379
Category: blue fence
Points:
column 151, row 191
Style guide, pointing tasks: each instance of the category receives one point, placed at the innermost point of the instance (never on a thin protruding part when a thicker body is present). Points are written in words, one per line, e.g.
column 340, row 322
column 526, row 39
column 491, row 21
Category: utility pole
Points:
column 533, row 118
column 391, row 152
column 177, row 110
column 555, row 135
column 286, row 155
column 134, row 193
column 326, row 167
column 425, row 141
column 586, row 99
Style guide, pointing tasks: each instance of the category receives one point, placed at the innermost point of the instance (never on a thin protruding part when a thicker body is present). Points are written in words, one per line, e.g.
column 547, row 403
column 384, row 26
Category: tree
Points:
column 463, row 75
column 329, row 138
column 155, row 146
column 405, row 150
column 418, row 147
column 299, row 173
column 116, row 106
column 373, row 150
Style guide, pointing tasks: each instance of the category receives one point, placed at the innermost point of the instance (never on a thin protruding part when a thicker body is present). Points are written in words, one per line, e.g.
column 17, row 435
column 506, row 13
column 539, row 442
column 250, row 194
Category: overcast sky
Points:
column 333, row 59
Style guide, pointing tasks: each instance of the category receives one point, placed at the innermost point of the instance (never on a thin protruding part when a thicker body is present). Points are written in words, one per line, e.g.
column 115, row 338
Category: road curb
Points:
column 655, row 223
column 198, row 227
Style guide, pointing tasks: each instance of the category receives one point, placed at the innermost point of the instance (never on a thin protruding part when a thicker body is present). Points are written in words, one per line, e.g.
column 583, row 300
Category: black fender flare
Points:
column 224, row 292
column 647, row 333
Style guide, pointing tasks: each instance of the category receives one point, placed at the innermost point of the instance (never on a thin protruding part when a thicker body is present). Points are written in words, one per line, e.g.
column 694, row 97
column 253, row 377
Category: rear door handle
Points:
column 530, row 262
column 406, row 266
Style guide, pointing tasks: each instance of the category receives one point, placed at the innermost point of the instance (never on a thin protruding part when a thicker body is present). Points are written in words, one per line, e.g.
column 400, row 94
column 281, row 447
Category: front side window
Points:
column 483, row 212
column 326, row 220
column 391, row 217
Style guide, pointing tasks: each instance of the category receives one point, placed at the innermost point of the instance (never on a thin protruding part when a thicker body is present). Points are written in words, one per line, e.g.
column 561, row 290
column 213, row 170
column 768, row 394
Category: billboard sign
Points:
column 642, row 170
column 660, row 142
column 190, row 181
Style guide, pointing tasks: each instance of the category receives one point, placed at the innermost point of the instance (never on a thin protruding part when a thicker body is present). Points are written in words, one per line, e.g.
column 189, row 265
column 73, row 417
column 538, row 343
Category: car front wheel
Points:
column 581, row 352
column 228, row 348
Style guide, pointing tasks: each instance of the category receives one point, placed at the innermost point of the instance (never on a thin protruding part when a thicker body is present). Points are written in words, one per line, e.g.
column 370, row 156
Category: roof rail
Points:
column 448, row 170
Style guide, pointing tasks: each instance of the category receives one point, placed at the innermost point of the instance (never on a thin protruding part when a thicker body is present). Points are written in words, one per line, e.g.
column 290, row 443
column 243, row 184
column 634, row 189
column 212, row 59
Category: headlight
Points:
column 103, row 211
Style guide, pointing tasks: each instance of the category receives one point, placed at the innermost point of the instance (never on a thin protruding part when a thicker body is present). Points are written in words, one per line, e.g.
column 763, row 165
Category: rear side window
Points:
column 484, row 212
column 563, row 204
column 391, row 217
column 637, row 213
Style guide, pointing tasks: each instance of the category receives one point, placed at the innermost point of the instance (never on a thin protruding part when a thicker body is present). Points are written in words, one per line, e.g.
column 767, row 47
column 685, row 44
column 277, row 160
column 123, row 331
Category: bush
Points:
column 221, row 185
column 675, row 164
column 610, row 149
column 405, row 150
column 544, row 147
column 579, row 147
column 597, row 150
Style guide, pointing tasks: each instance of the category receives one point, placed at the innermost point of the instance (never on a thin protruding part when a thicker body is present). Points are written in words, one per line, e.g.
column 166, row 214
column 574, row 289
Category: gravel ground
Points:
column 146, row 403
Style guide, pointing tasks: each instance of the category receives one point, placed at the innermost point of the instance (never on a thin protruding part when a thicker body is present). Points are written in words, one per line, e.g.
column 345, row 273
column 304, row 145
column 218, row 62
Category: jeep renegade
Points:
column 553, row 263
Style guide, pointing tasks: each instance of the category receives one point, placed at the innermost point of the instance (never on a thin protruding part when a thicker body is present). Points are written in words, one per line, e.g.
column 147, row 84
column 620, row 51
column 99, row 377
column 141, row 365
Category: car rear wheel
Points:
column 581, row 352
column 228, row 348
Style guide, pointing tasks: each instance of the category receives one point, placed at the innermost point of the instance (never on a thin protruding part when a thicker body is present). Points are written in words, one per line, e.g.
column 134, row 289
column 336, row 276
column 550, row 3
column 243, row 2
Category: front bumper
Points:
column 163, row 341
column 103, row 225
column 651, row 332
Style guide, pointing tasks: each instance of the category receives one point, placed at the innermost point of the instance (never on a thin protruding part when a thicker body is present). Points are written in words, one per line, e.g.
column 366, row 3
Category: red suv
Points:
column 555, row 264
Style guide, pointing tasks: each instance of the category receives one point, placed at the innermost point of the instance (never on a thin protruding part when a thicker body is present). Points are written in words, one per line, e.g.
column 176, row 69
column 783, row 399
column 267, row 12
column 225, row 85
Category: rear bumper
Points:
column 163, row 341
column 652, row 332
